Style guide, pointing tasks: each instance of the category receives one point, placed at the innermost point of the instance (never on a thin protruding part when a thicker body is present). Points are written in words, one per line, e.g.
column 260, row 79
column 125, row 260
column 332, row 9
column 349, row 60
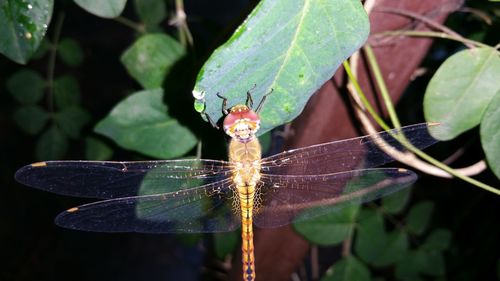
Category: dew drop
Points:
column 28, row 35
column 30, row 7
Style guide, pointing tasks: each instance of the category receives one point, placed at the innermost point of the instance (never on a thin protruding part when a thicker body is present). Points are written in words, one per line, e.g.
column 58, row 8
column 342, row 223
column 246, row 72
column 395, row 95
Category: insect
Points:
column 199, row 195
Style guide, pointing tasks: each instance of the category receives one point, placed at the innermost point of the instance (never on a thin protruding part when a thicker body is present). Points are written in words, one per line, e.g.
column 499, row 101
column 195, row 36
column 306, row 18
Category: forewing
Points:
column 106, row 179
column 287, row 198
column 202, row 209
column 344, row 155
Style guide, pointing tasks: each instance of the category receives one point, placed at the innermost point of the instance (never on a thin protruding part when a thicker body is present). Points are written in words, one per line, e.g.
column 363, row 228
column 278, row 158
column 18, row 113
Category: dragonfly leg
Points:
column 224, row 104
column 211, row 121
column 261, row 103
column 249, row 101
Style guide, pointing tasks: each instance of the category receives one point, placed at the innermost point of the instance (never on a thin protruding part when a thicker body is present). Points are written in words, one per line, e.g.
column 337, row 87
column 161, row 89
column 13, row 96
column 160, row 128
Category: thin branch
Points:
column 141, row 28
column 435, row 34
column 430, row 22
column 52, row 62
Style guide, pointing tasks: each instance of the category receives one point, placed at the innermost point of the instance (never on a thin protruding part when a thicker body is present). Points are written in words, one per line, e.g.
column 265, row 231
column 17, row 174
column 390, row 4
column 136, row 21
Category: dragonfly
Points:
column 207, row 196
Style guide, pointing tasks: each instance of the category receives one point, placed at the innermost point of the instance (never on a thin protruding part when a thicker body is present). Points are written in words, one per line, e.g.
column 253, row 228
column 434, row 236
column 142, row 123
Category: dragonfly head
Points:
column 241, row 123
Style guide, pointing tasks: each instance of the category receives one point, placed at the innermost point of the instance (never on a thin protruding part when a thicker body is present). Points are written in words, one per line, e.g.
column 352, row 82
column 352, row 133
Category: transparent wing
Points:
column 287, row 198
column 344, row 155
column 202, row 209
column 106, row 179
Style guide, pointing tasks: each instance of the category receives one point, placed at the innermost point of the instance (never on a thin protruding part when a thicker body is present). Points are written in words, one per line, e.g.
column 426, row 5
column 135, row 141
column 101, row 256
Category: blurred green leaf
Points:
column 104, row 9
column 394, row 250
column 265, row 141
column 23, row 25
column 71, row 120
column 419, row 216
column 42, row 49
column 189, row 239
column 70, row 52
column 490, row 134
column 460, row 91
column 51, row 145
column 151, row 12
column 396, row 202
column 66, row 92
column 371, row 237
column 408, row 268
column 292, row 47
column 348, row 269
column 225, row 243
column 96, row 149
column 26, row 86
column 432, row 263
column 151, row 57
column 141, row 123
column 439, row 240
column 330, row 229
column 31, row 118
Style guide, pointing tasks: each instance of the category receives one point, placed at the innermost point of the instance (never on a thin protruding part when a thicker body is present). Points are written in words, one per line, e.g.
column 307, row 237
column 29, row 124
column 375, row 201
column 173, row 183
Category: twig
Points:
column 52, row 62
column 430, row 22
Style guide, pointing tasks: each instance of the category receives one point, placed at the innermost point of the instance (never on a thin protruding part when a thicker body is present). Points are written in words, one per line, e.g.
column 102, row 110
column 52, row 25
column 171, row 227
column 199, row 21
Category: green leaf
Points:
column 42, row 50
column 292, row 47
column 394, row 250
column 432, row 263
column 396, row 202
column 66, row 92
column 151, row 12
column 31, row 118
column 419, row 217
column 70, row 52
column 409, row 267
column 460, row 91
column 490, row 134
column 439, row 240
column 225, row 243
column 71, row 120
column 96, row 149
column 23, row 25
column 371, row 237
column 330, row 229
column 348, row 269
column 141, row 123
column 51, row 145
column 105, row 9
column 26, row 86
column 151, row 58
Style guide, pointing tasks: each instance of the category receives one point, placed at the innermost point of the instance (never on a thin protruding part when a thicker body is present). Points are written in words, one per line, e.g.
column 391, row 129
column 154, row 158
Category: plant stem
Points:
column 434, row 34
column 135, row 26
column 52, row 62
column 372, row 61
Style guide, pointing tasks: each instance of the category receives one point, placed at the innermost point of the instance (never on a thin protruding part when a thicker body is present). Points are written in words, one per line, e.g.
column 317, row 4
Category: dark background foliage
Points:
column 33, row 248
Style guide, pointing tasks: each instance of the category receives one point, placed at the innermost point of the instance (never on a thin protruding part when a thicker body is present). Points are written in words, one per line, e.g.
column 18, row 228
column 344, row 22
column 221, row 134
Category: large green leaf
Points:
column 141, row 123
column 292, row 47
column 348, row 269
column 23, row 25
column 151, row 58
column 225, row 243
column 330, row 229
column 100, row 8
column 490, row 134
column 460, row 91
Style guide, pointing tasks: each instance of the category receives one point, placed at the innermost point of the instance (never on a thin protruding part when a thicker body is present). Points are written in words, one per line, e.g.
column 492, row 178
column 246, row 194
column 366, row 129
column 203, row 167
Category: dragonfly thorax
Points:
column 241, row 123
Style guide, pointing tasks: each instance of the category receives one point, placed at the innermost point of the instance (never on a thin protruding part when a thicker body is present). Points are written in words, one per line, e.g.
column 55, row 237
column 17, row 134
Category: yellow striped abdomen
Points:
column 246, row 175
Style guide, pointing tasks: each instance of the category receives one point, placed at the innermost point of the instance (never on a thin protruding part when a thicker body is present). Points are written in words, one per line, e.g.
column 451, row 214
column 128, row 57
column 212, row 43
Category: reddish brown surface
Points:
column 327, row 117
